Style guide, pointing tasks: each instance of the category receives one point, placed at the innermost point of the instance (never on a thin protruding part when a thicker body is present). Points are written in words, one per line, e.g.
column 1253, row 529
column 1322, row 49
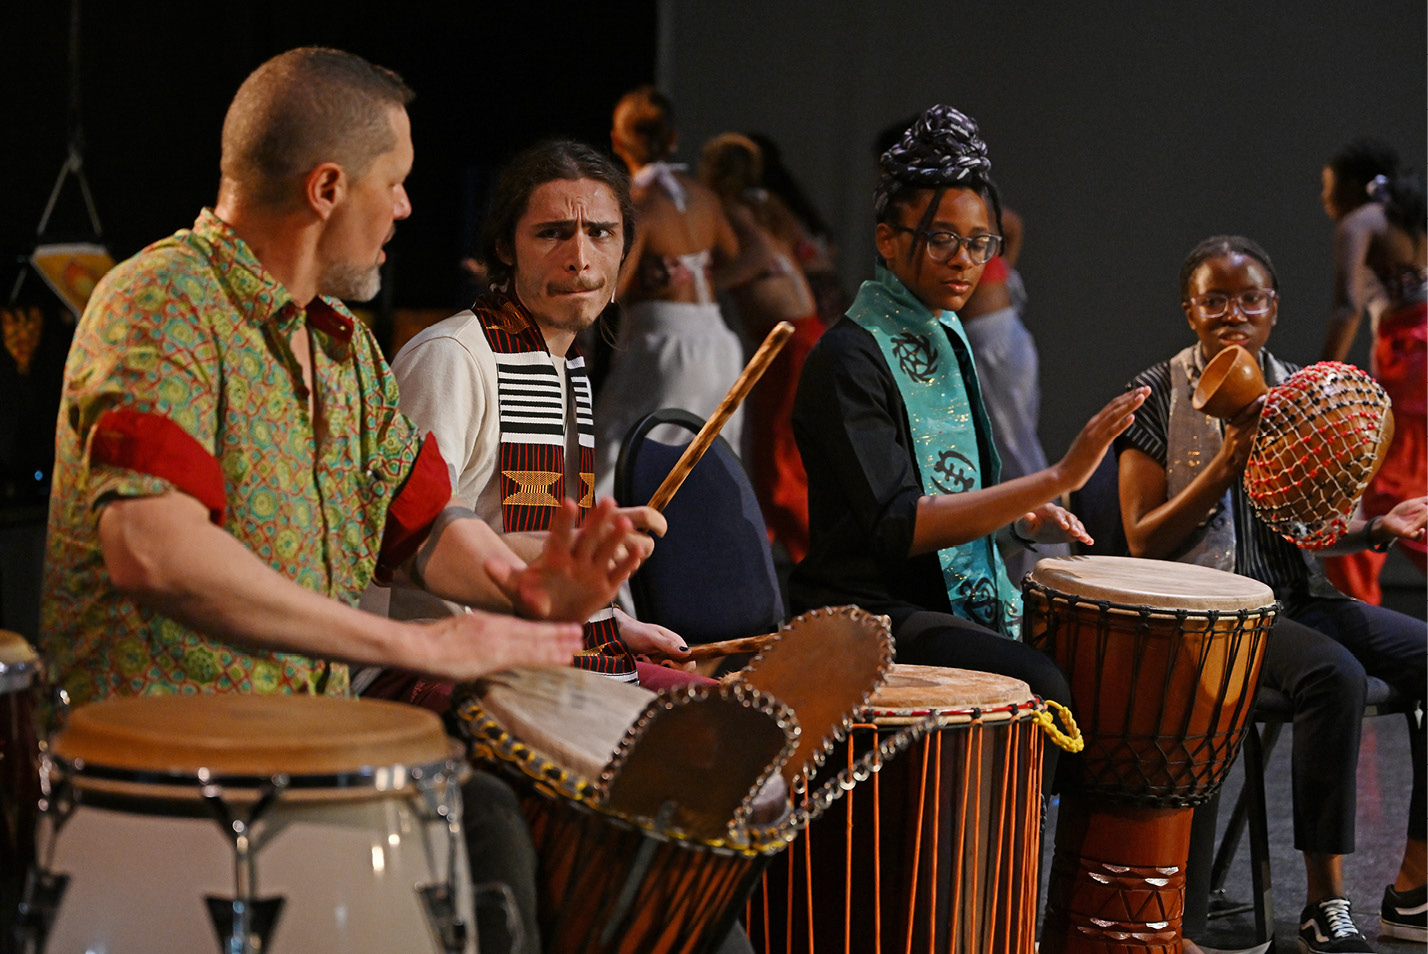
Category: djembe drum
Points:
column 1322, row 435
column 654, row 814
column 649, row 861
column 242, row 823
column 1163, row 661
column 939, row 852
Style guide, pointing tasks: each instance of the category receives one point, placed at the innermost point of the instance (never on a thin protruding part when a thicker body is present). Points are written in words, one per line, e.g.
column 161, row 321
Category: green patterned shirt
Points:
column 181, row 376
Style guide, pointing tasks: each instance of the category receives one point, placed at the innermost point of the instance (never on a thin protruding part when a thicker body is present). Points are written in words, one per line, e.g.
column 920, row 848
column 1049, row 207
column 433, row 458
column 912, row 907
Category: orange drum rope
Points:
column 847, row 876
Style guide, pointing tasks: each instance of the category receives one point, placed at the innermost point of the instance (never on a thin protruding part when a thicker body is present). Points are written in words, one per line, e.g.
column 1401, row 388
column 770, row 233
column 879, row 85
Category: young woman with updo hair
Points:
column 905, row 503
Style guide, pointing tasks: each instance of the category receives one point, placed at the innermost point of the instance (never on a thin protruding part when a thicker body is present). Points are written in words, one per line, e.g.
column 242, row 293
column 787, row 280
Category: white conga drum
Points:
column 240, row 823
column 19, row 766
column 939, row 850
column 1163, row 660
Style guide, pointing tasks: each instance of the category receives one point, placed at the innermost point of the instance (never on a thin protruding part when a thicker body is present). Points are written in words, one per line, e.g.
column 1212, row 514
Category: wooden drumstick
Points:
column 754, row 370
column 731, row 647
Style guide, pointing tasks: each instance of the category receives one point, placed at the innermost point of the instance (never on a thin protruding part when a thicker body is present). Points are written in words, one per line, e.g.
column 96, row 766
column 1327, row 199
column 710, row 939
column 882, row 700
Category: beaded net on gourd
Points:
column 1316, row 449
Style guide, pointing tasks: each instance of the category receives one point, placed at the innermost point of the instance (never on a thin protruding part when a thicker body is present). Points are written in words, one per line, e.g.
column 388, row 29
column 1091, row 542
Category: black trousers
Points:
column 1317, row 654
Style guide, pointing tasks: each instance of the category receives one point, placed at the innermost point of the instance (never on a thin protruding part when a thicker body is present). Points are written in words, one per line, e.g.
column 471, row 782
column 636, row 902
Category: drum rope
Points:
column 1071, row 739
column 842, row 783
column 490, row 742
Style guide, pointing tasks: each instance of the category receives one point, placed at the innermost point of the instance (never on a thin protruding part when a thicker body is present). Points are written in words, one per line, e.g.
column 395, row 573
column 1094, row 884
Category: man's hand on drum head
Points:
column 1095, row 438
column 578, row 571
column 476, row 643
column 1051, row 523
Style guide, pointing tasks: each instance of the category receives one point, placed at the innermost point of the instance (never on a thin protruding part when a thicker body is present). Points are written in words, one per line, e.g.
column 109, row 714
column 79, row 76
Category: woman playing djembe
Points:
column 1182, row 498
column 903, row 492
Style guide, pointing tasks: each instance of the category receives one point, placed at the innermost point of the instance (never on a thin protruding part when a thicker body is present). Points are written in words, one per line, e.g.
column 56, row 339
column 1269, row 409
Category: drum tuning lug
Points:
column 450, row 930
column 244, row 926
column 43, row 893
column 58, row 716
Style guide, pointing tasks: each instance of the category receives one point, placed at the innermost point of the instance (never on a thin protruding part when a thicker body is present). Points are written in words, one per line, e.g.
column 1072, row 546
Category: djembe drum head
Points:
column 1163, row 660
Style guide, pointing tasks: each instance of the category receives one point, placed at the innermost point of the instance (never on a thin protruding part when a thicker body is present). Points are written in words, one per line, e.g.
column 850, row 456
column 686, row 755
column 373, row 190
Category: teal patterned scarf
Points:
column 932, row 365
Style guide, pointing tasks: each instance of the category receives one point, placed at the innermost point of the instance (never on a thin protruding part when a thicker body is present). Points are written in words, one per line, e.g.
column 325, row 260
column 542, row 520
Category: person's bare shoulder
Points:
column 1367, row 219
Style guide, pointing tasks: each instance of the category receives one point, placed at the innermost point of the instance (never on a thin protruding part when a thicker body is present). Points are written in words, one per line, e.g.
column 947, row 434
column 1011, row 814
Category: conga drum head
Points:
column 18, row 662
column 319, row 823
column 319, row 743
column 1163, row 660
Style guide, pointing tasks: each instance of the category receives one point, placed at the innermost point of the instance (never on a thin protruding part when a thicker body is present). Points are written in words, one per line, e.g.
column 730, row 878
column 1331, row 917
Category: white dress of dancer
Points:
column 668, row 354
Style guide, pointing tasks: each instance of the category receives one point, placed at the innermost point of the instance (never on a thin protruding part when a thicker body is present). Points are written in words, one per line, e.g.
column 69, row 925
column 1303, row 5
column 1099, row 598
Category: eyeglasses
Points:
column 1251, row 301
column 942, row 246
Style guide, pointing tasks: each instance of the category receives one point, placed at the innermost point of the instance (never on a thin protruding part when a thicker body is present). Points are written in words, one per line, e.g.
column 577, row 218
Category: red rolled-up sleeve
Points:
column 423, row 496
column 149, row 443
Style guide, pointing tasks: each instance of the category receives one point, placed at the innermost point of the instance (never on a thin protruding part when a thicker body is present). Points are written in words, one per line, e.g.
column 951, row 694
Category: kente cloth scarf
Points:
column 533, row 435
column 951, row 435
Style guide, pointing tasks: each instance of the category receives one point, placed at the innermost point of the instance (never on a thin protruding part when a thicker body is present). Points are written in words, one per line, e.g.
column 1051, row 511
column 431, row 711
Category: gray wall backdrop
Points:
column 1123, row 133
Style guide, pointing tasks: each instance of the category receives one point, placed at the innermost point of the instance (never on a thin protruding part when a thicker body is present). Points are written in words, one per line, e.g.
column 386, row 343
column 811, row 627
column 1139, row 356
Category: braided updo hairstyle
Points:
column 941, row 150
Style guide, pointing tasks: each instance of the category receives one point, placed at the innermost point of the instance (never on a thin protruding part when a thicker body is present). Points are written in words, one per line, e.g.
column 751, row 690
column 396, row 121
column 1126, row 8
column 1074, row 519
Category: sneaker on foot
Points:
column 1405, row 914
column 1328, row 928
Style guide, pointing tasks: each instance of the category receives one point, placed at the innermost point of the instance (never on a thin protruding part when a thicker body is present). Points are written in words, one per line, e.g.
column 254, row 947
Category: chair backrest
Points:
column 1098, row 504
column 712, row 576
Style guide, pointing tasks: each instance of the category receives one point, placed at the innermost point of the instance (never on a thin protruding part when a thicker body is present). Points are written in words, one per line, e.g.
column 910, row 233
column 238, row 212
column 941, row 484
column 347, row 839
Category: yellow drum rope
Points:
column 1070, row 740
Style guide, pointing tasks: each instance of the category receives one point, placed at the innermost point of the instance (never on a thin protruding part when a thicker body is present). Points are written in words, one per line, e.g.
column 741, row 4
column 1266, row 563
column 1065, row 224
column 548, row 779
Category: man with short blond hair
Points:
column 232, row 470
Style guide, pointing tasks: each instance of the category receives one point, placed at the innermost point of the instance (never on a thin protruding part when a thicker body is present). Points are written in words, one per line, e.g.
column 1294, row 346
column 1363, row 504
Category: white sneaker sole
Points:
column 1406, row 932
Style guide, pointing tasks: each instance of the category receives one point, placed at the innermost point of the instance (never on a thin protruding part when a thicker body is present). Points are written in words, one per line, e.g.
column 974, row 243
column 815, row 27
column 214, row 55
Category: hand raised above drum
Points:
column 577, row 571
column 1052, row 523
column 1086, row 451
column 950, row 519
